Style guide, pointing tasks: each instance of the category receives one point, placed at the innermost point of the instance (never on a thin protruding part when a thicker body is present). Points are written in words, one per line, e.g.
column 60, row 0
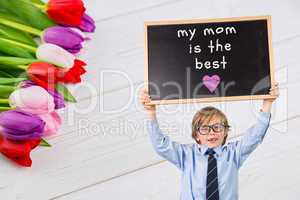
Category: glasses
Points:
column 217, row 128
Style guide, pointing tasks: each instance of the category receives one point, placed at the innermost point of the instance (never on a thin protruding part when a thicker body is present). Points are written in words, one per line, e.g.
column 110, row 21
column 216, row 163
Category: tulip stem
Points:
column 42, row 7
column 11, row 67
column 9, row 60
column 23, row 67
column 25, row 46
column 4, row 101
column 4, row 108
column 5, row 81
column 21, row 27
column 6, row 90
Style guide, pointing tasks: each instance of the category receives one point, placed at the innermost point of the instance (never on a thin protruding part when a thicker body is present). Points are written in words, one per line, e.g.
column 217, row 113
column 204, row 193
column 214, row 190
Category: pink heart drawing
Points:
column 211, row 82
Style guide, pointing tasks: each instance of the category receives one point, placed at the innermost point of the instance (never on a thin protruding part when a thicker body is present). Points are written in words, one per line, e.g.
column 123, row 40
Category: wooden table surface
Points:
column 103, row 151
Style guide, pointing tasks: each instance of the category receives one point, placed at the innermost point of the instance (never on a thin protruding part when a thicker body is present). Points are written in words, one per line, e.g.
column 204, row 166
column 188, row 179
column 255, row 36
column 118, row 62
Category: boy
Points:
column 209, row 167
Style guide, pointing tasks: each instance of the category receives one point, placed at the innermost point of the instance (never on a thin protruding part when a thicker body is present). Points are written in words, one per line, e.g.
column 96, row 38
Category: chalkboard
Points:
column 208, row 60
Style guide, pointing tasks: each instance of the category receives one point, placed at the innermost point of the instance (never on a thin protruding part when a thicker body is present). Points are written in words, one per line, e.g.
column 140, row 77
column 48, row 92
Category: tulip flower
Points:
column 58, row 98
column 87, row 24
column 37, row 100
column 18, row 151
column 20, row 125
column 54, row 54
column 47, row 75
column 53, row 123
column 65, row 37
column 73, row 75
column 34, row 99
column 66, row 12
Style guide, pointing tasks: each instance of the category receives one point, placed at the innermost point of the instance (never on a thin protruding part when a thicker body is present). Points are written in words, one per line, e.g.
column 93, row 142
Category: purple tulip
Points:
column 58, row 98
column 87, row 24
column 65, row 37
column 20, row 125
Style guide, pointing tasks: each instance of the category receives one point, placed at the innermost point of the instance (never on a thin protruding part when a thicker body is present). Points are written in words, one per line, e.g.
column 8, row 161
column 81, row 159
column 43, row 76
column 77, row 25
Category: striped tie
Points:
column 212, row 192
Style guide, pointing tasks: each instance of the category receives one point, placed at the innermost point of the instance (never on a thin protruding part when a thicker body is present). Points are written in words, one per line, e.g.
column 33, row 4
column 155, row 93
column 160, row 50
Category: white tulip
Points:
column 56, row 55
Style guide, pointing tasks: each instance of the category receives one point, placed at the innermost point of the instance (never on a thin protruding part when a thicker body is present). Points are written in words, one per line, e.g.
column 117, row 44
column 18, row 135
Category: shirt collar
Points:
column 203, row 148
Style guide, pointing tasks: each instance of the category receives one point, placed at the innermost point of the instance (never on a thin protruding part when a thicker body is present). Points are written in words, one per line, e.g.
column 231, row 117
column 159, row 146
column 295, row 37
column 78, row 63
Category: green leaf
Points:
column 21, row 27
column 6, row 90
column 44, row 143
column 11, row 17
column 12, row 72
column 14, row 34
column 13, row 50
column 5, row 74
column 19, row 44
column 9, row 81
column 4, row 105
column 65, row 93
column 9, row 68
column 37, row 2
column 28, row 12
column 9, row 60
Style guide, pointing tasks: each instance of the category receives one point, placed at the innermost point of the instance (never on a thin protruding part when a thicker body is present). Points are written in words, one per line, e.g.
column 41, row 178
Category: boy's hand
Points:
column 145, row 98
column 267, row 104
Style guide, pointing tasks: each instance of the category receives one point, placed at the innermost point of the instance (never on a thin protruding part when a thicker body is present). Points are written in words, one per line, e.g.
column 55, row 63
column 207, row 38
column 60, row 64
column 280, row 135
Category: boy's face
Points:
column 208, row 136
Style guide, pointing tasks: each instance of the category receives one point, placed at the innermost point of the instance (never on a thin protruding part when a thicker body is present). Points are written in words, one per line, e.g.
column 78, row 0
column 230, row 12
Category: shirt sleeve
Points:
column 252, row 138
column 164, row 146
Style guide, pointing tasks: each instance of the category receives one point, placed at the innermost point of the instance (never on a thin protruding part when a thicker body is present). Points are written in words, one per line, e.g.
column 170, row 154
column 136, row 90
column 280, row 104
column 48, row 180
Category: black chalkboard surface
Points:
column 208, row 60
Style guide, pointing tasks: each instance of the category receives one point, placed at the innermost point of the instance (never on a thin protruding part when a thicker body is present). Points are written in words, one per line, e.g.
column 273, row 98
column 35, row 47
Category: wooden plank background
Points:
column 103, row 150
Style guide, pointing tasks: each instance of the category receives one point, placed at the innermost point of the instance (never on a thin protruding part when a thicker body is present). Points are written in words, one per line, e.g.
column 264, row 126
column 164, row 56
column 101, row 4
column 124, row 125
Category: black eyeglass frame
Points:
column 211, row 127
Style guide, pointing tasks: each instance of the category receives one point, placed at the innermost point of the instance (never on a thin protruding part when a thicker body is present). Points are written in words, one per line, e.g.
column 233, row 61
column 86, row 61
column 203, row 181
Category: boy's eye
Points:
column 218, row 127
column 204, row 128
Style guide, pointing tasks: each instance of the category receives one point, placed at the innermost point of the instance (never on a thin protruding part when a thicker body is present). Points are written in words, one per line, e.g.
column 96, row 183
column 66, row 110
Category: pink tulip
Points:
column 37, row 100
column 33, row 99
column 53, row 122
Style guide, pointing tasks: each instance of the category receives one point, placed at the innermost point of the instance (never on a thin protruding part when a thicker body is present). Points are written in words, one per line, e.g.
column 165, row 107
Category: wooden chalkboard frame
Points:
column 195, row 21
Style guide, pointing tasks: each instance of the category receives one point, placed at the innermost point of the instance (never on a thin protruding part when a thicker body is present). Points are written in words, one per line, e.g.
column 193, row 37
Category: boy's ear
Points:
column 225, row 137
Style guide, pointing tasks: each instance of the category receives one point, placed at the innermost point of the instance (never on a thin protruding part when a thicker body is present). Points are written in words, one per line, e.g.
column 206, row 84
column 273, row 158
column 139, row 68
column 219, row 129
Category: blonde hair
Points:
column 205, row 115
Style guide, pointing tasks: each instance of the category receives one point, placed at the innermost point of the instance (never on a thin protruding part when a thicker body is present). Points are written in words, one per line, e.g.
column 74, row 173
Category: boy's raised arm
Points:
column 255, row 134
column 163, row 145
column 252, row 138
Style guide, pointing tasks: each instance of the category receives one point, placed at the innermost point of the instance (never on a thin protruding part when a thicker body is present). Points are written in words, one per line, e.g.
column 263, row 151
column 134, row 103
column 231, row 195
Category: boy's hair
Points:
column 206, row 114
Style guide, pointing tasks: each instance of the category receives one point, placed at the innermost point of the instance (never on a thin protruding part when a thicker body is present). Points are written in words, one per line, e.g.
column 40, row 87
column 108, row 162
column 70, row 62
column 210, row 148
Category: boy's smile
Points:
column 214, row 141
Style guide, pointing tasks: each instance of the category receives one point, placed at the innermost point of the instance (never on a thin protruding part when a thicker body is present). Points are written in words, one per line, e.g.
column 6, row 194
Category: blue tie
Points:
column 212, row 191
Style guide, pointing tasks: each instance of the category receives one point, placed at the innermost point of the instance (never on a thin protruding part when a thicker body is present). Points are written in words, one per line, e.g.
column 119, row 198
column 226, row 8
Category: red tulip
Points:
column 18, row 151
column 43, row 74
column 66, row 12
column 73, row 75
column 47, row 75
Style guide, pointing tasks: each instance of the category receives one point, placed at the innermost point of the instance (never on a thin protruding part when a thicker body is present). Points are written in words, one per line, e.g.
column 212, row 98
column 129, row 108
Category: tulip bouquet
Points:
column 39, row 47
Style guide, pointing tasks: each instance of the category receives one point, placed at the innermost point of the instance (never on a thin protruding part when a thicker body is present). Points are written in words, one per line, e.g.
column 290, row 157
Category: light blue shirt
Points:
column 192, row 161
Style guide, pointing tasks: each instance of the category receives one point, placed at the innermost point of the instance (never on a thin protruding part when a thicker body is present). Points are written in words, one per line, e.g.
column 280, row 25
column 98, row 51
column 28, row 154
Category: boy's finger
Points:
column 145, row 99
column 274, row 88
column 142, row 98
column 148, row 106
column 144, row 95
